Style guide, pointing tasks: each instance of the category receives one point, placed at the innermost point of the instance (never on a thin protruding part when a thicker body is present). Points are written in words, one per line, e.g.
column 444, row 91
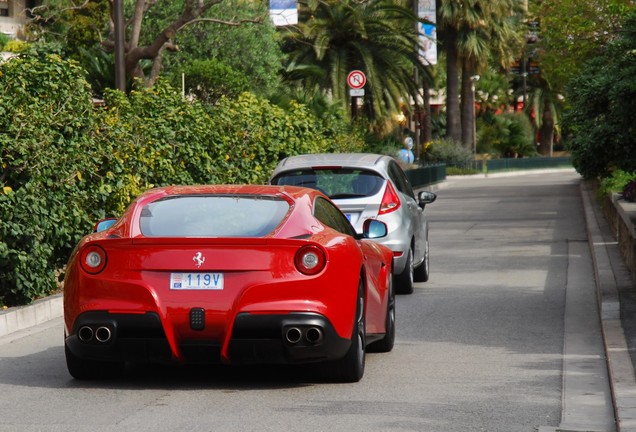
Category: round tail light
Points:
column 93, row 259
column 310, row 260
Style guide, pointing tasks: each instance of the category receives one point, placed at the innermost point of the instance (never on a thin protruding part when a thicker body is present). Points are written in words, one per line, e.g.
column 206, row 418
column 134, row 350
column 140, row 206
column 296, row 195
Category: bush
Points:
column 629, row 191
column 602, row 100
column 46, row 116
column 253, row 135
column 208, row 80
column 449, row 152
column 616, row 182
column 454, row 171
column 16, row 46
column 3, row 40
column 507, row 135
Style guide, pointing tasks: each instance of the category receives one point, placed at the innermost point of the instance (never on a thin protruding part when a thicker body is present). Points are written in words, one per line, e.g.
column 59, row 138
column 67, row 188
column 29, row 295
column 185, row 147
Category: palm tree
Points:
column 450, row 17
column 378, row 37
column 476, row 32
column 544, row 107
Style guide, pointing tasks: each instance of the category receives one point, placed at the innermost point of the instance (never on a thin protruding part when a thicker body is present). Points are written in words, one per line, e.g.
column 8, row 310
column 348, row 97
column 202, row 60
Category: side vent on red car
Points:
column 390, row 200
column 93, row 259
column 310, row 260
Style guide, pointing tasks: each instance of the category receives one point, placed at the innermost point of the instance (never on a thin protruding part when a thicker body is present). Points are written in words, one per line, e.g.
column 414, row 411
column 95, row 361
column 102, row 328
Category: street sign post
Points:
column 356, row 81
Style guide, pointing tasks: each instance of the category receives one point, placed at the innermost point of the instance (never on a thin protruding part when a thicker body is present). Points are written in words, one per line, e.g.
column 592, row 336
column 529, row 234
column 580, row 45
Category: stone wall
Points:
column 621, row 216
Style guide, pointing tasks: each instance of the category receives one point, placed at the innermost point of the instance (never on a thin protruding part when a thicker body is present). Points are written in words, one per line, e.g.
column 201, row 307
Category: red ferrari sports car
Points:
column 228, row 274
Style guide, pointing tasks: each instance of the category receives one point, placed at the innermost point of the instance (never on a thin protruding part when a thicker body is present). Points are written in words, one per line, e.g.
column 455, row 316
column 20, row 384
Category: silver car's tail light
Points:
column 390, row 200
column 310, row 260
column 93, row 259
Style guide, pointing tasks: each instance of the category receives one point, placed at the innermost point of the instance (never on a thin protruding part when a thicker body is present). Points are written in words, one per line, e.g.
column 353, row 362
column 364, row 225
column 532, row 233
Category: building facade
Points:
column 13, row 15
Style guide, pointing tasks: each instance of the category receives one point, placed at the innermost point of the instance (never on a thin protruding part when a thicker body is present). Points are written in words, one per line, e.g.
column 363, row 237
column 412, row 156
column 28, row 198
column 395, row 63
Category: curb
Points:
column 24, row 317
column 619, row 364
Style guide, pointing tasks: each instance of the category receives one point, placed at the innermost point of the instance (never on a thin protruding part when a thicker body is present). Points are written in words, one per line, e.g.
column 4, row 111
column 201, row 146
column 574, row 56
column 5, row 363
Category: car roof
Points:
column 350, row 160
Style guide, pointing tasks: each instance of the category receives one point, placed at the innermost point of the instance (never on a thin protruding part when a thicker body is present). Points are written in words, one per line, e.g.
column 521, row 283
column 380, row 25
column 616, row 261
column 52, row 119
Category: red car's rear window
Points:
column 212, row 216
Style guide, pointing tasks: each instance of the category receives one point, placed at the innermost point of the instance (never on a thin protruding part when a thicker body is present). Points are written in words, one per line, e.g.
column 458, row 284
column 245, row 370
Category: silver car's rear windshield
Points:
column 212, row 216
column 334, row 182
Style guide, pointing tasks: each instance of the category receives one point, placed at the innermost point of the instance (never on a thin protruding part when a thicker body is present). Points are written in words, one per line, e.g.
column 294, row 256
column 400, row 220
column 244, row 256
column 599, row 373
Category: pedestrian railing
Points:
column 526, row 163
column 431, row 174
column 426, row 175
column 513, row 164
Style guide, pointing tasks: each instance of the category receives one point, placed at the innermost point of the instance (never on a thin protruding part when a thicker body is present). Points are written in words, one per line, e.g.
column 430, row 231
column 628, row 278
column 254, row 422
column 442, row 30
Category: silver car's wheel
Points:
column 404, row 281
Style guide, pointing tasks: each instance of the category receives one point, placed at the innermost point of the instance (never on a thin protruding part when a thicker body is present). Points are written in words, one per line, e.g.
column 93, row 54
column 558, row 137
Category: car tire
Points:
column 388, row 341
column 404, row 281
column 421, row 273
column 82, row 369
column 350, row 368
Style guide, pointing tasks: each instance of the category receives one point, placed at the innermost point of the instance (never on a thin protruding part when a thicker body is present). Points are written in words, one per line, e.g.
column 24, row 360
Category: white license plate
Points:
column 196, row 281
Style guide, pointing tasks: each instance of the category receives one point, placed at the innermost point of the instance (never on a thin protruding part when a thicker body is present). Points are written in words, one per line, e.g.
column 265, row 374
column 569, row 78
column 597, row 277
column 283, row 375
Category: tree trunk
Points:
column 546, row 132
column 453, row 126
column 467, row 105
column 192, row 10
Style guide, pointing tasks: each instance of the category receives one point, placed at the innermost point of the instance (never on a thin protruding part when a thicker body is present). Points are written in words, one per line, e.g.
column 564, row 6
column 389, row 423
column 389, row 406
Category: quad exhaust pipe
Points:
column 313, row 335
column 293, row 335
column 85, row 334
column 101, row 334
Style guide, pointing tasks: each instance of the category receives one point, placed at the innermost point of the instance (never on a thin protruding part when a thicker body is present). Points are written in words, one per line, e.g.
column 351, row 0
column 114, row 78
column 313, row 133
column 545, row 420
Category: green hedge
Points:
column 45, row 120
column 66, row 163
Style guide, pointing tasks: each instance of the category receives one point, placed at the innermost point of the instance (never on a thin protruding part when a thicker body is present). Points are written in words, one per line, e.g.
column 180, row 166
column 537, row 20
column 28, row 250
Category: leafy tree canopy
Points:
column 571, row 31
column 602, row 102
column 235, row 32
column 251, row 49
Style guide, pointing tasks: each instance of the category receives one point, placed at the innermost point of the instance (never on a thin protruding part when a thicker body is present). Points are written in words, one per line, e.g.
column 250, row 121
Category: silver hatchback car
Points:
column 370, row 186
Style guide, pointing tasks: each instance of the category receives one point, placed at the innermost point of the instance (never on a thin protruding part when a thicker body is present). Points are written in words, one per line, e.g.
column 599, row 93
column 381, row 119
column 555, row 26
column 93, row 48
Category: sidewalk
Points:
column 614, row 286
column 22, row 318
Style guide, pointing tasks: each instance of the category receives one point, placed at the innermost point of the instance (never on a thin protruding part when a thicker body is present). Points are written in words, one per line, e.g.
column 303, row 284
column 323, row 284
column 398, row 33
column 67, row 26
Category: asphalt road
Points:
column 490, row 343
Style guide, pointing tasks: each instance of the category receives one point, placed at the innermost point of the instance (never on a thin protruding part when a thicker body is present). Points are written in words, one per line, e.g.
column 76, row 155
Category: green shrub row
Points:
column 65, row 163
column 602, row 103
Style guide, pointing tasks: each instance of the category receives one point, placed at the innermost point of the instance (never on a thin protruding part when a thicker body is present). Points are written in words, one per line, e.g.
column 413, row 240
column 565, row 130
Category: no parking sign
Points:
column 356, row 80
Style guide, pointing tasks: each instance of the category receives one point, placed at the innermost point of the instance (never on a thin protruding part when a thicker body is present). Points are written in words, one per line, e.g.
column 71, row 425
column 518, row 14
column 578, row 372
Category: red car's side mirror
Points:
column 104, row 224
column 373, row 229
